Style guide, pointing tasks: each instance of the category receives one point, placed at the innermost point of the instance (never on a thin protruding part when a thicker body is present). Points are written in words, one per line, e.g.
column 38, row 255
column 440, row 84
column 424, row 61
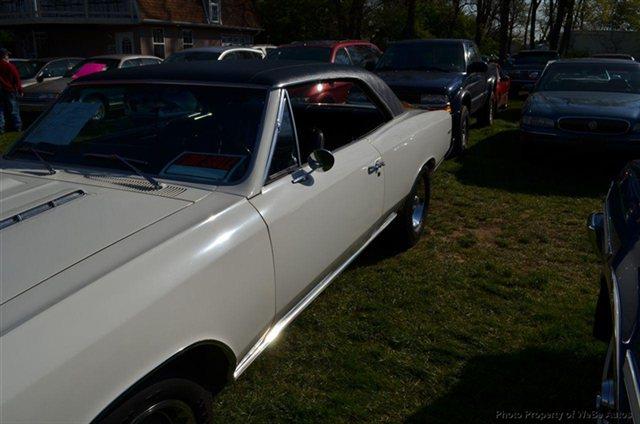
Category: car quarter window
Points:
column 342, row 58
column 332, row 114
column 285, row 155
column 56, row 68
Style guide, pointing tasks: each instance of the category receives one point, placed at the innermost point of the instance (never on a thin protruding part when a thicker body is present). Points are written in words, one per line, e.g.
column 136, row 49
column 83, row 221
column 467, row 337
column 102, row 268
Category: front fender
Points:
column 211, row 281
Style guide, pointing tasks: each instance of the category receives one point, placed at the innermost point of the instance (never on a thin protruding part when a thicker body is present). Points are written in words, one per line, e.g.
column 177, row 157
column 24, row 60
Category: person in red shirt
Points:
column 10, row 89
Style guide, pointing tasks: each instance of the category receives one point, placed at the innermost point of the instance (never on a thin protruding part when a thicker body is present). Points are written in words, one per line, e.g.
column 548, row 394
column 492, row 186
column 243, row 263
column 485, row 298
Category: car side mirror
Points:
column 595, row 225
column 40, row 77
column 370, row 65
column 477, row 67
column 320, row 160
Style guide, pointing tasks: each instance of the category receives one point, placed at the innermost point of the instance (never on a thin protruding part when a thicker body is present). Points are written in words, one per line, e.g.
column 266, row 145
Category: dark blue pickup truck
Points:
column 442, row 74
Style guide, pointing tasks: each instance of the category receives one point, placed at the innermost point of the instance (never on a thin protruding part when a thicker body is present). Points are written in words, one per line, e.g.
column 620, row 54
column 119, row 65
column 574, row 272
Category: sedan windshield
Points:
column 442, row 57
column 192, row 57
column 193, row 133
column 311, row 54
column 28, row 68
column 607, row 77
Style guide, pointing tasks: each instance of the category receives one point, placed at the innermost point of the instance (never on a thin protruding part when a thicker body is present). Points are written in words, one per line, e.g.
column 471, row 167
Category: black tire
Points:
column 410, row 222
column 486, row 115
column 461, row 133
column 173, row 400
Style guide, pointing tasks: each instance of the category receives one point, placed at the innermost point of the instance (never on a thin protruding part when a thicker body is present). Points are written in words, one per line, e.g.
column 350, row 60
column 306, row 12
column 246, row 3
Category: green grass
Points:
column 6, row 140
column 491, row 311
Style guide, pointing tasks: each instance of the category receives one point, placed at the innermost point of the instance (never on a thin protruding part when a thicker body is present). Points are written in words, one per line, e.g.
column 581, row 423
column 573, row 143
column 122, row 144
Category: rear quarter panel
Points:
column 213, row 281
column 406, row 144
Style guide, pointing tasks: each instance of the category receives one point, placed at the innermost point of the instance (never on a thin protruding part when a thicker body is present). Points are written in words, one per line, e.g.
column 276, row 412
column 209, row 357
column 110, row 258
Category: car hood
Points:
column 584, row 103
column 423, row 81
column 38, row 241
column 52, row 86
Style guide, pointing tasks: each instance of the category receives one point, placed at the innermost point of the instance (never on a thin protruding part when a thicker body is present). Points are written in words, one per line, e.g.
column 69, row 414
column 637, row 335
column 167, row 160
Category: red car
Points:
column 501, row 89
column 349, row 52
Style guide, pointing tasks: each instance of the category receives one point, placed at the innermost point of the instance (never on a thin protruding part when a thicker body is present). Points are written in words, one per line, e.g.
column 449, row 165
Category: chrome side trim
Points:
column 631, row 384
column 37, row 210
column 279, row 326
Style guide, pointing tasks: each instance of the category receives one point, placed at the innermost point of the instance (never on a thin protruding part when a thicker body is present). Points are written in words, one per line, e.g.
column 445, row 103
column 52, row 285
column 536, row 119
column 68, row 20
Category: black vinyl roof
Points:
column 270, row 74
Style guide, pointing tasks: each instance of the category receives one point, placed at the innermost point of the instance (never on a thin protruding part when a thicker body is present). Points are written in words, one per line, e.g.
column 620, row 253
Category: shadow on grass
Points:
column 501, row 161
column 529, row 380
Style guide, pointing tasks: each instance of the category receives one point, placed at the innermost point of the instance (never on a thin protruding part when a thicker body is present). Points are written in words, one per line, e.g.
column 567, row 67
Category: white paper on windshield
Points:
column 63, row 123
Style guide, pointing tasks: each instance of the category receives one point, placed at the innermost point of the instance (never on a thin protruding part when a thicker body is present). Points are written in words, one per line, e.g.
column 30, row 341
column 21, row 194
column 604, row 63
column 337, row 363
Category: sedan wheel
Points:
column 410, row 222
column 171, row 401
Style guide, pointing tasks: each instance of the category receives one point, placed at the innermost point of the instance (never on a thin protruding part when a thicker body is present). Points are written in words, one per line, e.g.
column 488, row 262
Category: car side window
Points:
column 284, row 157
column 474, row 54
column 333, row 114
column 342, row 58
column 130, row 63
column 55, row 69
column 150, row 61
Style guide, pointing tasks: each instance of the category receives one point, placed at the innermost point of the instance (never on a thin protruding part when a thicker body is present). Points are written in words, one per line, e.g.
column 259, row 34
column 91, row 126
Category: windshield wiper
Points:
column 127, row 161
column 38, row 154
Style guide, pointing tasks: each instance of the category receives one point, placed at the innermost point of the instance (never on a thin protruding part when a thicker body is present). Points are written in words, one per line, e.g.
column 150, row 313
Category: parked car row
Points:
column 594, row 104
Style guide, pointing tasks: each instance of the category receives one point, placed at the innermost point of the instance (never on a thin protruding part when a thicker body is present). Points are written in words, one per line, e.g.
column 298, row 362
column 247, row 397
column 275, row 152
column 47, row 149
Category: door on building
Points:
column 124, row 42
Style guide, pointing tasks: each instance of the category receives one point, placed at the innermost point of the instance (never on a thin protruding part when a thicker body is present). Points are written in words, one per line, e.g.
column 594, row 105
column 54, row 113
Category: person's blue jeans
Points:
column 9, row 111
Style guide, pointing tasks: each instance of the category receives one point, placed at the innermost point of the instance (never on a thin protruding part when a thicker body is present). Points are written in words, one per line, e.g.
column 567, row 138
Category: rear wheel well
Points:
column 430, row 166
column 209, row 364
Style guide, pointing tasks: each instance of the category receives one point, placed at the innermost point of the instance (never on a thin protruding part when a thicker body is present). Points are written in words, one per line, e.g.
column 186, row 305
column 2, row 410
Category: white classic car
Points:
column 161, row 226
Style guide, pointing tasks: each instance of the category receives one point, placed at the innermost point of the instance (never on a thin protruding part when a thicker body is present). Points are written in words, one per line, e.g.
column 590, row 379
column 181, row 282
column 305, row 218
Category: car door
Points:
column 317, row 224
column 476, row 81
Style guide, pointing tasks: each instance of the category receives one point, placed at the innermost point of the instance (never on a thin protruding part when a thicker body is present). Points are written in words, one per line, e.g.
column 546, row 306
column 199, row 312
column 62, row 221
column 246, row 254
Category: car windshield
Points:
column 91, row 64
column 306, row 53
column 194, row 133
column 442, row 57
column 192, row 57
column 535, row 58
column 606, row 77
column 28, row 68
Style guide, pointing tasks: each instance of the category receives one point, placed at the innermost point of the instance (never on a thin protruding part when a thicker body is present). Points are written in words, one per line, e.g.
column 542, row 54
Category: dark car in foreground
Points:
column 615, row 233
column 586, row 103
column 442, row 74
column 525, row 68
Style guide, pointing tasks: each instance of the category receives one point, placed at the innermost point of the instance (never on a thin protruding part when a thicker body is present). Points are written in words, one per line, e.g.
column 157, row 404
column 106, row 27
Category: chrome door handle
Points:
column 376, row 167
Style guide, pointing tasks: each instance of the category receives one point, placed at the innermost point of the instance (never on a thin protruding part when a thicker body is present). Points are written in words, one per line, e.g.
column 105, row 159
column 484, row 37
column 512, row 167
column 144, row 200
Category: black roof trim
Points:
column 271, row 74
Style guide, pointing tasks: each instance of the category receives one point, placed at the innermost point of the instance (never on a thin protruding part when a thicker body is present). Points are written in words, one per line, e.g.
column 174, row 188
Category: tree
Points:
column 505, row 12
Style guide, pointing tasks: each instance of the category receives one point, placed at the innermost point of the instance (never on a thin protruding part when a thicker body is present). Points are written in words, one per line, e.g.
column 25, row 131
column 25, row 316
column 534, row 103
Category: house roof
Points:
column 233, row 13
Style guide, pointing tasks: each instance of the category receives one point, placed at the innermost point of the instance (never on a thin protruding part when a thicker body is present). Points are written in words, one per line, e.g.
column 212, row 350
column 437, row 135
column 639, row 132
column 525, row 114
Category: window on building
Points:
column 187, row 39
column 214, row 11
column 126, row 46
column 158, row 42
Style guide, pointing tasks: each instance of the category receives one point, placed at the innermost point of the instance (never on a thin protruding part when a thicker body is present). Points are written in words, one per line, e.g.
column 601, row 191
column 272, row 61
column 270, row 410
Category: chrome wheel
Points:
column 418, row 207
column 166, row 412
